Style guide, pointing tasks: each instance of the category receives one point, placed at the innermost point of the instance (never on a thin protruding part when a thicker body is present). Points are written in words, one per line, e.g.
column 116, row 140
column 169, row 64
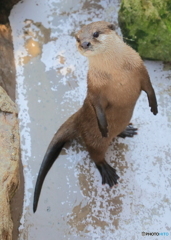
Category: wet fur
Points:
column 115, row 79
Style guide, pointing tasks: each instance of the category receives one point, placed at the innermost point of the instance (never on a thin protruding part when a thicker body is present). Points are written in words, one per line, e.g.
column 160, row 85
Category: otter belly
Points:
column 120, row 108
column 118, row 119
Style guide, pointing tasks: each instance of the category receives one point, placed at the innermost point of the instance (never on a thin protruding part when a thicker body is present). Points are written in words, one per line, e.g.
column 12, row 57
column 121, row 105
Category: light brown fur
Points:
column 115, row 79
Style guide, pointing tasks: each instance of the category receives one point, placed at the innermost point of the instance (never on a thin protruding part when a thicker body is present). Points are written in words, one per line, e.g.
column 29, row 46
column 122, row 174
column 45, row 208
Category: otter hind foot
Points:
column 130, row 131
column 108, row 174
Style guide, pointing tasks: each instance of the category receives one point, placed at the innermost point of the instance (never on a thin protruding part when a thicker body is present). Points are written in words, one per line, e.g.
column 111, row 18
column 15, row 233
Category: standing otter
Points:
column 116, row 77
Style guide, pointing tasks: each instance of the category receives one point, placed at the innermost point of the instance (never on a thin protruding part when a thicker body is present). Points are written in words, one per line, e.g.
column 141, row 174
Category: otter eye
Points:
column 96, row 34
column 77, row 39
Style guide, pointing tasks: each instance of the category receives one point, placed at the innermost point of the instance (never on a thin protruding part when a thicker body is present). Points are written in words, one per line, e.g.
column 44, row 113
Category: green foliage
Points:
column 146, row 26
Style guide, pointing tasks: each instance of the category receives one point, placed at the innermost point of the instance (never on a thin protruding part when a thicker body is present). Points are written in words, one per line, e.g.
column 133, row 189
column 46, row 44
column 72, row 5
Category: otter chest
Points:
column 120, row 89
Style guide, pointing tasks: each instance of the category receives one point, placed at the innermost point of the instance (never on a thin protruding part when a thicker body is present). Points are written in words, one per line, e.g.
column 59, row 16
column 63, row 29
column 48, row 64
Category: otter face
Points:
column 94, row 38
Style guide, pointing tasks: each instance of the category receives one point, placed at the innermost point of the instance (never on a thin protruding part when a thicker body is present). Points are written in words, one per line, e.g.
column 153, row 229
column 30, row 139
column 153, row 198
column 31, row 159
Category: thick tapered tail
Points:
column 64, row 134
column 47, row 163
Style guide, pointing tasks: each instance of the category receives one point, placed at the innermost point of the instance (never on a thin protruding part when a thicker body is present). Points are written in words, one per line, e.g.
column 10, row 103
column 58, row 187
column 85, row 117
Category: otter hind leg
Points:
column 130, row 131
column 108, row 173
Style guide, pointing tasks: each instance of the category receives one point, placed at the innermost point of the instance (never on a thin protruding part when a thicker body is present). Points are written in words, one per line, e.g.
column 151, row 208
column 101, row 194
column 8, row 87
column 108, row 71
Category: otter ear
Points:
column 111, row 26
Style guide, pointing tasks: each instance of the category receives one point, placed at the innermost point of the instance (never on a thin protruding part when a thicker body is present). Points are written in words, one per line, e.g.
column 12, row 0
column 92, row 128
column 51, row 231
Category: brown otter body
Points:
column 116, row 77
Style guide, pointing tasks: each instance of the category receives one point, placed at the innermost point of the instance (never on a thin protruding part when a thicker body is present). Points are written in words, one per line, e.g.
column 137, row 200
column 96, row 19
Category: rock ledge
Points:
column 9, row 161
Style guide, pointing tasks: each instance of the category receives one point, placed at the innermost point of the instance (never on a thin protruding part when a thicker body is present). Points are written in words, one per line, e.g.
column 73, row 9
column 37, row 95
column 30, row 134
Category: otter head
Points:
column 95, row 38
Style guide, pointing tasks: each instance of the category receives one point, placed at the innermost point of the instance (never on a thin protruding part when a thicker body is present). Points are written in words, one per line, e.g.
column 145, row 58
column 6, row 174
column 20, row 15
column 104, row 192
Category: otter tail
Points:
column 65, row 133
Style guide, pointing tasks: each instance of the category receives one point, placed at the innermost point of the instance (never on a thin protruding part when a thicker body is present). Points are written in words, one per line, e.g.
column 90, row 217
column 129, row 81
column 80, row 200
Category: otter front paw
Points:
column 154, row 108
column 108, row 174
column 104, row 131
column 152, row 101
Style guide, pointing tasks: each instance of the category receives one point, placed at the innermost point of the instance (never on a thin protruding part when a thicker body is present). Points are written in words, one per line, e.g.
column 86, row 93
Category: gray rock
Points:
column 9, row 161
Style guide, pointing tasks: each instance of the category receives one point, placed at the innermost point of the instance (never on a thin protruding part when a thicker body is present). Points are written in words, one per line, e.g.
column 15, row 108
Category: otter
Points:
column 115, row 79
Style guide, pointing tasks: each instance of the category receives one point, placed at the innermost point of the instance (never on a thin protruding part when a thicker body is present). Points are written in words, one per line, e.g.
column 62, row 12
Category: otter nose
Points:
column 85, row 45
